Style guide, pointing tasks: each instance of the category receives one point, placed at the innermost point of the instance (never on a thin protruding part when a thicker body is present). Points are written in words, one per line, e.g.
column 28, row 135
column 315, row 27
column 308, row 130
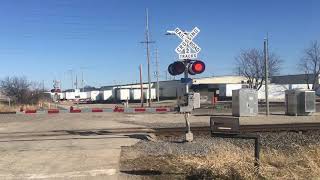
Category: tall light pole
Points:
column 147, row 42
column 265, row 50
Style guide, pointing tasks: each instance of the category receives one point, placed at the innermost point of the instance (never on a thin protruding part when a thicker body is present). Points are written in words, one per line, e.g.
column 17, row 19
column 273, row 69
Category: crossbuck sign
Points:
column 187, row 49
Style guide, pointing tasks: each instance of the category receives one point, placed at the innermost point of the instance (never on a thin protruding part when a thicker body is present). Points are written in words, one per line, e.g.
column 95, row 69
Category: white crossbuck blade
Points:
column 187, row 43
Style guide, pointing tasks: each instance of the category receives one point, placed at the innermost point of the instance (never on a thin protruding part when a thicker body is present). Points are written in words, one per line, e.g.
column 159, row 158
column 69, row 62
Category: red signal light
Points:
column 196, row 67
column 176, row 68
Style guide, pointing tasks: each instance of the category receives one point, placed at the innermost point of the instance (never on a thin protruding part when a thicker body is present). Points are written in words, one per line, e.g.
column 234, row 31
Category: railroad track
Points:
column 158, row 131
column 251, row 128
column 280, row 127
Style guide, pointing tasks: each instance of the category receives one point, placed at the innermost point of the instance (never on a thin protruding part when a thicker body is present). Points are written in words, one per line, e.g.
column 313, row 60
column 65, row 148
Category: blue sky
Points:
column 45, row 39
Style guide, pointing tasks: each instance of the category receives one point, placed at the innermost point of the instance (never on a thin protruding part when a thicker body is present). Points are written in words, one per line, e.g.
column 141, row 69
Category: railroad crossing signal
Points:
column 187, row 49
column 194, row 67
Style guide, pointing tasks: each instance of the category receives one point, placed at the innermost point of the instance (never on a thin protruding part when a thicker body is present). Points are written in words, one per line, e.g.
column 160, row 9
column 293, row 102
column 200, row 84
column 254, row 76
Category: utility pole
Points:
column 71, row 75
column 141, row 85
column 147, row 42
column 76, row 82
column 82, row 83
column 157, row 75
column 265, row 43
column 166, row 75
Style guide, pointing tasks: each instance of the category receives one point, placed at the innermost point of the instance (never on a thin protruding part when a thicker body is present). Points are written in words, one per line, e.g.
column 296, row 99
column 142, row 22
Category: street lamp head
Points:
column 170, row 33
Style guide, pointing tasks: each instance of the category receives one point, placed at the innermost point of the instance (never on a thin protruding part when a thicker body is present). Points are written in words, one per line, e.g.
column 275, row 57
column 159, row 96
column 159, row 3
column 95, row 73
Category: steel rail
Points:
column 163, row 130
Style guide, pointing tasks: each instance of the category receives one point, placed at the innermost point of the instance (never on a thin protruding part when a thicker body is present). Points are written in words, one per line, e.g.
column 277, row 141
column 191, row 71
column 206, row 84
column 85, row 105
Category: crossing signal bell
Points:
column 194, row 67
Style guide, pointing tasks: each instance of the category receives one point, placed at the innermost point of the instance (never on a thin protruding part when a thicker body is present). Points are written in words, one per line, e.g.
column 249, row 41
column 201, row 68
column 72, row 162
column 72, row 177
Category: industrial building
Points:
column 209, row 87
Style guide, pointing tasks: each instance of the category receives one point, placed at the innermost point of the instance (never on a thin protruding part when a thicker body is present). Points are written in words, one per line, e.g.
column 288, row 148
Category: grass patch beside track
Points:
column 232, row 162
column 285, row 155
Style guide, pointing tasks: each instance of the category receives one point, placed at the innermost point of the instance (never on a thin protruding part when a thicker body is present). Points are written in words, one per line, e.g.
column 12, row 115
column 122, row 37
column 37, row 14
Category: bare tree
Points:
column 250, row 64
column 310, row 64
column 20, row 90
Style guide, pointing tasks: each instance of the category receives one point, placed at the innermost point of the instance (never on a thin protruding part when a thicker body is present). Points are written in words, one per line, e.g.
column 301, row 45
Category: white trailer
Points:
column 62, row 95
column 123, row 94
column 83, row 95
column 77, row 93
column 70, row 95
column 135, row 94
column 106, row 95
column 146, row 93
column 95, row 95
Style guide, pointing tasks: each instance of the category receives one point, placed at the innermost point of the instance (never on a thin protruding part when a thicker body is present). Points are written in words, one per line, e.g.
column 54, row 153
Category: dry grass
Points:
column 233, row 162
column 6, row 108
column 14, row 108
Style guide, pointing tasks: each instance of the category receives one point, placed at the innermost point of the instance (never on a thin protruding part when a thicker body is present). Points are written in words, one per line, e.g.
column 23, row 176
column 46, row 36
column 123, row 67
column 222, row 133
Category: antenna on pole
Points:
column 147, row 42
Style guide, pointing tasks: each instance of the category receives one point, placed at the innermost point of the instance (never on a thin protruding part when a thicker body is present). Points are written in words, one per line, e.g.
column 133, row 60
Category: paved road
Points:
column 31, row 147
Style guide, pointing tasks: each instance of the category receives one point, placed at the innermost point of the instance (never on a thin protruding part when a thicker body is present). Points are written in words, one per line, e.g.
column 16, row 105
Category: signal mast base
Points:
column 189, row 134
column 188, row 137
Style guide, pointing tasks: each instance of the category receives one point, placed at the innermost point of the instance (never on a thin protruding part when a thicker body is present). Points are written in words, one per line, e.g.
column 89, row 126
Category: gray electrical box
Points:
column 244, row 102
column 300, row 102
column 190, row 102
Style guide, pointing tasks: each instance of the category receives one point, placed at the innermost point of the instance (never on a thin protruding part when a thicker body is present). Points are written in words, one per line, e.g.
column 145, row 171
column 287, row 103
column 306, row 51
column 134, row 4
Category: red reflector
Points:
column 161, row 109
column 29, row 111
column 97, row 110
column 118, row 110
column 75, row 111
column 51, row 111
column 139, row 109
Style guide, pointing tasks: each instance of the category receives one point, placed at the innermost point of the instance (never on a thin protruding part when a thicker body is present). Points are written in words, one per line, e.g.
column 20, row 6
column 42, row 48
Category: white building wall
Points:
column 171, row 89
column 70, row 95
column 277, row 91
column 225, row 90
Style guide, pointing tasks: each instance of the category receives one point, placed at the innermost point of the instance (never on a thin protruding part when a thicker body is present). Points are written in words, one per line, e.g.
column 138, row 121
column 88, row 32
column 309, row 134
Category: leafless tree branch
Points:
column 20, row 90
column 250, row 63
column 310, row 64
